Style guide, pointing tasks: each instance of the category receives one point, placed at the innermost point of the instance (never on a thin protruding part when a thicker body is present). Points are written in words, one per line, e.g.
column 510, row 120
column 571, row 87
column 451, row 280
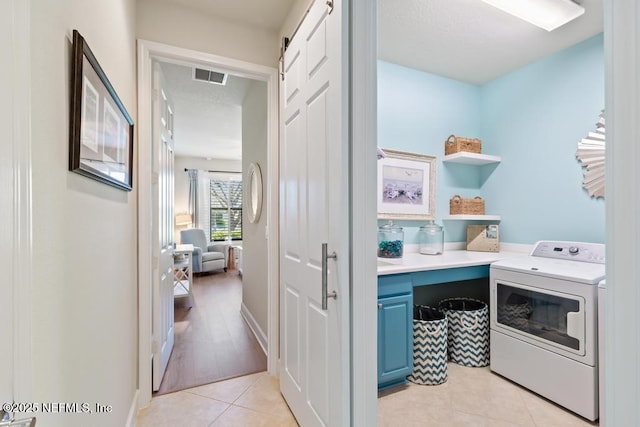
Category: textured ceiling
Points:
column 470, row 41
column 208, row 117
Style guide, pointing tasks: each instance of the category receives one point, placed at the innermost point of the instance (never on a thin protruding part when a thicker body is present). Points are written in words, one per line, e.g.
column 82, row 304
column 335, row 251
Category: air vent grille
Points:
column 209, row 76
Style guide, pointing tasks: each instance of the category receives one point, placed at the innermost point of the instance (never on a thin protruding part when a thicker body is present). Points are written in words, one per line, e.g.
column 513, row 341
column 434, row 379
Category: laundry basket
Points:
column 429, row 346
column 468, row 330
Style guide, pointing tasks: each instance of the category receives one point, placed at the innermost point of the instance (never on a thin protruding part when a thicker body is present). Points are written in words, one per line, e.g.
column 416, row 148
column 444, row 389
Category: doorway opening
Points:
column 219, row 128
column 264, row 328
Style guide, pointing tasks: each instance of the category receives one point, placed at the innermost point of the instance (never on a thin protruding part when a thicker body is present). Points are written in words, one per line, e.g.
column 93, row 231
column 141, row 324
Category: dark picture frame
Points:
column 101, row 129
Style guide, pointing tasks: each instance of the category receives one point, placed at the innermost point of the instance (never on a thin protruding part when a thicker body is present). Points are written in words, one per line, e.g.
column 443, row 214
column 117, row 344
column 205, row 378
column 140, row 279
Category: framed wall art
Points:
column 101, row 130
column 406, row 186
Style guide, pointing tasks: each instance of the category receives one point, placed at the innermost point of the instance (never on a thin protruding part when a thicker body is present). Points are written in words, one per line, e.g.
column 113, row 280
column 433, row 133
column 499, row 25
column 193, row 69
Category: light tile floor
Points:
column 252, row 400
column 471, row 397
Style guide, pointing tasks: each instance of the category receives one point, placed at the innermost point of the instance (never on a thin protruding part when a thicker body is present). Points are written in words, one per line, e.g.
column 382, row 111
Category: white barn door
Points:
column 314, row 194
column 162, row 184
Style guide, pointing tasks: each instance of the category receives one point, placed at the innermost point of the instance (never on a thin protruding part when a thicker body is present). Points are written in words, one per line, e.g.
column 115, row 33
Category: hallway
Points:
column 252, row 400
column 212, row 340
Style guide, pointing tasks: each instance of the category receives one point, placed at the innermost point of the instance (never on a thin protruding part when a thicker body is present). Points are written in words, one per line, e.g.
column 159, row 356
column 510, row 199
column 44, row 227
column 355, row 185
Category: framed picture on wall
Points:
column 101, row 129
column 406, row 186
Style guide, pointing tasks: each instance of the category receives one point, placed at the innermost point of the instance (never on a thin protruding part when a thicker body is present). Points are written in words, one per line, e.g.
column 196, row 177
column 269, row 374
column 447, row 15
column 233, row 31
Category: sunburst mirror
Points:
column 591, row 153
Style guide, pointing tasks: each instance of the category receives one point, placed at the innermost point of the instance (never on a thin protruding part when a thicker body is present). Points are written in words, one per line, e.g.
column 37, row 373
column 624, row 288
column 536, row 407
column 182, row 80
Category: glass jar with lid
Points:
column 431, row 239
column 390, row 241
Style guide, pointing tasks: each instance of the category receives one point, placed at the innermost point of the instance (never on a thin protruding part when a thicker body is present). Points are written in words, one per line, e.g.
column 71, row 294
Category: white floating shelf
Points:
column 472, row 158
column 472, row 217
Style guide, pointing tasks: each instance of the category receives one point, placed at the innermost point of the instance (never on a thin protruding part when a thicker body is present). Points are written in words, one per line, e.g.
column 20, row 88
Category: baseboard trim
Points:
column 255, row 328
column 133, row 411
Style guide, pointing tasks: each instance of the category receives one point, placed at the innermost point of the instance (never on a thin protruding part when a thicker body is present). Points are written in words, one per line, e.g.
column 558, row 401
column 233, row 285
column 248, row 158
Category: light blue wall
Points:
column 417, row 111
column 532, row 118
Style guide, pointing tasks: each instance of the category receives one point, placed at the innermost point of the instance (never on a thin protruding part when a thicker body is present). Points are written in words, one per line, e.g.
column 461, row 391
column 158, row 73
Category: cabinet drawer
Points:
column 394, row 284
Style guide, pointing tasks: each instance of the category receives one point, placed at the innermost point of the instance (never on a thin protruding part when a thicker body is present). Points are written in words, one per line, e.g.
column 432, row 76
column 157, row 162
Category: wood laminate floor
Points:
column 212, row 340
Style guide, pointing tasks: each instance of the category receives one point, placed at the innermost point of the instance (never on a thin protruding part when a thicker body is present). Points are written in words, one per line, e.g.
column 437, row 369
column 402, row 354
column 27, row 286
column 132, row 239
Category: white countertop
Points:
column 449, row 259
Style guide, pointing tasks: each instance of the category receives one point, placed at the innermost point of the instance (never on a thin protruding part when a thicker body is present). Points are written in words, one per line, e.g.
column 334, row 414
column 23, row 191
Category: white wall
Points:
column 297, row 11
column 183, row 27
column 254, row 243
column 84, row 232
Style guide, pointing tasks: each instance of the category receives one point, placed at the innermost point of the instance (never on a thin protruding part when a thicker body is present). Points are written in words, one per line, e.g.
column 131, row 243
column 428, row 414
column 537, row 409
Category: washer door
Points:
column 542, row 317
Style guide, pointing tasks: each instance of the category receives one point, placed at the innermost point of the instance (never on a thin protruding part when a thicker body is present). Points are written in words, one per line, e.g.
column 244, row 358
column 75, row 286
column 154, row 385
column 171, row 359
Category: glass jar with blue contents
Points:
column 390, row 241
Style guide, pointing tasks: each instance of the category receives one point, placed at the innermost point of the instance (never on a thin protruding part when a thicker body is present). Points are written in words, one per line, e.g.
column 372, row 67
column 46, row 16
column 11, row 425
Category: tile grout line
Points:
column 265, row 375
column 217, row 400
column 221, row 414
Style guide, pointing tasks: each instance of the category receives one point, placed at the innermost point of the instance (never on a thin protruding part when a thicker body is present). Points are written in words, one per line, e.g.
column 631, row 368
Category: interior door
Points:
column 314, row 191
column 162, row 183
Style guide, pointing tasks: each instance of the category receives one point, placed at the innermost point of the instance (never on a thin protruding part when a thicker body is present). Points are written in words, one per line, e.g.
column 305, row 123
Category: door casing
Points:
column 148, row 51
column 16, row 201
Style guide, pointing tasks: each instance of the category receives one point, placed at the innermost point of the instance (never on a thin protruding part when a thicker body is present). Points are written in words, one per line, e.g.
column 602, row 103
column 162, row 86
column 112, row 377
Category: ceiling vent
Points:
column 209, row 76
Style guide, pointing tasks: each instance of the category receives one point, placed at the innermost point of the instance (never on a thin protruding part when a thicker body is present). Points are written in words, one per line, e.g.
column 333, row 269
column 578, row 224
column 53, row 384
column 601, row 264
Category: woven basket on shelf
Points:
column 455, row 144
column 461, row 206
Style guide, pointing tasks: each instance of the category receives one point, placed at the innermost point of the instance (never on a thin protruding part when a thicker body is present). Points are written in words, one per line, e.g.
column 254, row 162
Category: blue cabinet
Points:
column 395, row 329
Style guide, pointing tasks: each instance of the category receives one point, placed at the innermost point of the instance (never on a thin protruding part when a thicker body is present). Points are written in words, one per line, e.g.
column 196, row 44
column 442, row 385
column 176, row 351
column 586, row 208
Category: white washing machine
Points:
column 544, row 330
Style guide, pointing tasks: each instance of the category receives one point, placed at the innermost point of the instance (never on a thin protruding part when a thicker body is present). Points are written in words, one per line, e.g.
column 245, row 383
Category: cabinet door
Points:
column 395, row 339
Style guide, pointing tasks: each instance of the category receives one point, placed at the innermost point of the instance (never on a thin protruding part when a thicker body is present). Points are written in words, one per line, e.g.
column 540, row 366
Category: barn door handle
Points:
column 325, row 294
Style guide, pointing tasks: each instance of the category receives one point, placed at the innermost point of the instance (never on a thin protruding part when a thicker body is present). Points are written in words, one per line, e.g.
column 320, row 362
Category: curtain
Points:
column 193, row 195
column 200, row 194
column 203, row 196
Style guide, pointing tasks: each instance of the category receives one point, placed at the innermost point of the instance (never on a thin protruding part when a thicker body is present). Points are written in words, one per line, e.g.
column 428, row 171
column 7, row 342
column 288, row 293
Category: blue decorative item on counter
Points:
column 390, row 241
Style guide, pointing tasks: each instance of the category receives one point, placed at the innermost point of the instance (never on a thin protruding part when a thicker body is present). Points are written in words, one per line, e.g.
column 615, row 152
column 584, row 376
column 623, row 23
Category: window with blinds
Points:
column 226, row 209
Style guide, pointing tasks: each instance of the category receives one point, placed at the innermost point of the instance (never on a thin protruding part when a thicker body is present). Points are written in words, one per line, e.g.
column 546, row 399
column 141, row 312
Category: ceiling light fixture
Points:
column 546, row 14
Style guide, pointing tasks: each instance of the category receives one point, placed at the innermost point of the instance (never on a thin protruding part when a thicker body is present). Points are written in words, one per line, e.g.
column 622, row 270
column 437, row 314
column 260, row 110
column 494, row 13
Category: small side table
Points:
column 183, row 273
column 238, row 259
column 231, row 264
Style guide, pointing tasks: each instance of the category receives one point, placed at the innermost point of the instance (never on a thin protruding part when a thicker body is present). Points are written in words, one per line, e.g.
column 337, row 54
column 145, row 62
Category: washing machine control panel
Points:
column 574, row 251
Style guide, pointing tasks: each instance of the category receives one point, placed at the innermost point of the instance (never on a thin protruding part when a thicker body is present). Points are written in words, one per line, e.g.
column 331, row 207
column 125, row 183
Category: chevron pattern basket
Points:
column 429, row 346
column 468, row 332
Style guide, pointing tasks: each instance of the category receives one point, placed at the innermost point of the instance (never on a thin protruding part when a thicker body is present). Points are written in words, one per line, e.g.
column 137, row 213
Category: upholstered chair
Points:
column 207, row 256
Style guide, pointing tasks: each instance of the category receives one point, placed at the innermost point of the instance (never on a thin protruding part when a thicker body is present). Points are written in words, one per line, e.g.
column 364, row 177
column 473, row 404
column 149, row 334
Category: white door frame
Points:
column 16, row 195
column 148, row 50
column 364, row 276
column 622, row 200
column 622, row 204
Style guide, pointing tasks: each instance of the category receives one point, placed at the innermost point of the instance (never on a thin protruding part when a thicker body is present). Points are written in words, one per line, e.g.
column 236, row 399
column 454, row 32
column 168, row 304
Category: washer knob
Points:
column 573, row 250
